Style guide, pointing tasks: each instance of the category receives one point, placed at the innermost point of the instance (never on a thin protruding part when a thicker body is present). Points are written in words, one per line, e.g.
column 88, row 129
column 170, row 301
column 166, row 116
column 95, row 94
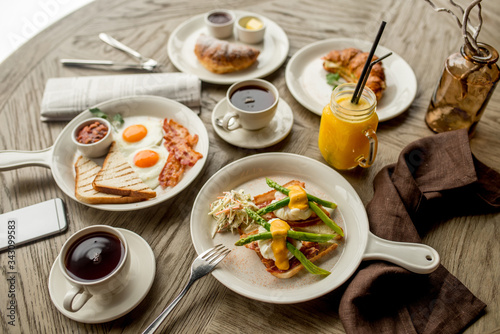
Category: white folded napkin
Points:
column 64, row 98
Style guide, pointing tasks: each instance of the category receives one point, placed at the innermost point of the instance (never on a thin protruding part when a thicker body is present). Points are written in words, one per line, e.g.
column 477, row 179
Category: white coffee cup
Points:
column 254, row 119
column 101, row 288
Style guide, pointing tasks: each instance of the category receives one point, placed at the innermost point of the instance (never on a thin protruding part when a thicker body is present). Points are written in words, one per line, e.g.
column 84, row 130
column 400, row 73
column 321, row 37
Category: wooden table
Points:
column 468, row 245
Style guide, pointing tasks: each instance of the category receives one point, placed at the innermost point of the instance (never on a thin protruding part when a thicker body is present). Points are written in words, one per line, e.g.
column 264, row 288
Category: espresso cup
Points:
column 252, row 105
column 96, row 262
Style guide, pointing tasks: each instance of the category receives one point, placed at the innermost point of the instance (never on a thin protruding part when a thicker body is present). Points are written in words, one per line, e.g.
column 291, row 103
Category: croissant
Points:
column 223, row 57
column 349, row 64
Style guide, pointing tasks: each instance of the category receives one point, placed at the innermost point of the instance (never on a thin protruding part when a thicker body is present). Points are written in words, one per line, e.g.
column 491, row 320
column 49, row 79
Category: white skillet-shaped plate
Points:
column 61, row 156
column 306, row 78
column 274, row 50
column 242, row 270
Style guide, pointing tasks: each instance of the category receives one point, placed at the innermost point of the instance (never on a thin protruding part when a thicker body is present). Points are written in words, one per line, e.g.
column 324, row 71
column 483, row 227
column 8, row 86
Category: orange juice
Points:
column 347, row 132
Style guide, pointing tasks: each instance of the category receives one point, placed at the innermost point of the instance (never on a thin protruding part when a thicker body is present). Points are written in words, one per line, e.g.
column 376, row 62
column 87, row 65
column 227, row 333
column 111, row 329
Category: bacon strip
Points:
column 171, row 173
column 179, row 144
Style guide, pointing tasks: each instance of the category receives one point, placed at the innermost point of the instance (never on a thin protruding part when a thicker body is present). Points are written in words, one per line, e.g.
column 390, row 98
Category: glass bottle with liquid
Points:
column 464, row 89
column 347, row 133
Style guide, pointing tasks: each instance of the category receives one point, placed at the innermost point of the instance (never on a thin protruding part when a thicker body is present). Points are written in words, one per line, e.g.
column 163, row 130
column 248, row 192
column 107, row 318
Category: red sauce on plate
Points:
column 92, row 133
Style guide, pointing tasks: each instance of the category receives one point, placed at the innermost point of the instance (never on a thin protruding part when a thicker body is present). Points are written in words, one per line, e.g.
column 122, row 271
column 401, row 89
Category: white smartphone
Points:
column 32, row 222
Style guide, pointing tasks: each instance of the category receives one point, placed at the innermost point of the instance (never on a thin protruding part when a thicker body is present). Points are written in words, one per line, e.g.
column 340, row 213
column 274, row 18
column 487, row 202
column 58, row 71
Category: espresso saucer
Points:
column 143, row 269
column 279, row 127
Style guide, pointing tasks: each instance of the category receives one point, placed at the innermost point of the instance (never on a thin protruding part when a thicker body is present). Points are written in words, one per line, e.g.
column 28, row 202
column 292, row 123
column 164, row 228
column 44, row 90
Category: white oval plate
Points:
column 153, row 106
column 242, row 270
column 274, row 50
column 306, row 78
column 60, row 158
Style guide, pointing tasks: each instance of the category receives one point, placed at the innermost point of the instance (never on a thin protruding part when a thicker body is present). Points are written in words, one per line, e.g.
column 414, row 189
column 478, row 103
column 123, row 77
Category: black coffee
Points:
column 94, row 256
column 252, row 98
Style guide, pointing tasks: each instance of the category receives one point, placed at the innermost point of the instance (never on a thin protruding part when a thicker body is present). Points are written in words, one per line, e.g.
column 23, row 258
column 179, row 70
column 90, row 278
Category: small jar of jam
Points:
column 220, row 23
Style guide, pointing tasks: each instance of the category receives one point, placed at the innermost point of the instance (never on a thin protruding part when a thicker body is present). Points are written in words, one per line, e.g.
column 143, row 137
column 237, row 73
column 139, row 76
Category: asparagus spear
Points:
column 297, row 235
column 311, row 267
column 277, row 186
column 274, row 206
column 258, row 219
column 330, row 223
column 323, row 202
column 253, row 237
column 311, row 198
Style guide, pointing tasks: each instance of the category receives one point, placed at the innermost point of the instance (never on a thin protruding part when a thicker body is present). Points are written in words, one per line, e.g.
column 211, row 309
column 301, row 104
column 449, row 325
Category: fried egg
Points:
column 148, row 162
column 139, row 132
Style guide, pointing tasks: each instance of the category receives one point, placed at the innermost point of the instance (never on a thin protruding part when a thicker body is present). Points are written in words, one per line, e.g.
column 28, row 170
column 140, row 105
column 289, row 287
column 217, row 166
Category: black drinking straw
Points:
column 364, row 73
column 368, row 73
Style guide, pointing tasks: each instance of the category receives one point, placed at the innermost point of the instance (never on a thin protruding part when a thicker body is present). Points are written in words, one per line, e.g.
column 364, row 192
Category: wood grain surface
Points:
column 468, row 245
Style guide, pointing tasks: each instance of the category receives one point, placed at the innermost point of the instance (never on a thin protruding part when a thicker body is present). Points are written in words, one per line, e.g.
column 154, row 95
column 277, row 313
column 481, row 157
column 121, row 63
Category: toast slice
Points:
column 118, row 178
column 86, row 170
column 323, row 250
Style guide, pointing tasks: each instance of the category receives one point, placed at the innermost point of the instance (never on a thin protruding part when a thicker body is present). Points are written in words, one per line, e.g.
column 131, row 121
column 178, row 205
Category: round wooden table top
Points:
column 468, row 246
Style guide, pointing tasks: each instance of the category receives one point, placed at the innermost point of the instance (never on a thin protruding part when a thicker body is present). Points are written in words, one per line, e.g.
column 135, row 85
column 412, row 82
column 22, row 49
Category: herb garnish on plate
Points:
column 117, row 120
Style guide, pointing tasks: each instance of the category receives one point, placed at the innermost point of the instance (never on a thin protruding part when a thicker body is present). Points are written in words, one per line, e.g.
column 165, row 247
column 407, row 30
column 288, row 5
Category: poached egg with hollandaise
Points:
column 275, row 249
column 298, row 208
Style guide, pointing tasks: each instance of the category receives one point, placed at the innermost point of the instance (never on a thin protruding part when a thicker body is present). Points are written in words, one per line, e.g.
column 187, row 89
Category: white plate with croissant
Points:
column 306, row 77
column 239, row 61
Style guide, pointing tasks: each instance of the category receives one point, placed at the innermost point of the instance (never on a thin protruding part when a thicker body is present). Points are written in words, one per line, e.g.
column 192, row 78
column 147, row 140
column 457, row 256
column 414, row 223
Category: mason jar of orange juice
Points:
column 347, row 135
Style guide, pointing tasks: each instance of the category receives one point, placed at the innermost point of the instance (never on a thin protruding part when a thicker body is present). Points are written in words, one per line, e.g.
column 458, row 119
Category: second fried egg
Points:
column 148, row 162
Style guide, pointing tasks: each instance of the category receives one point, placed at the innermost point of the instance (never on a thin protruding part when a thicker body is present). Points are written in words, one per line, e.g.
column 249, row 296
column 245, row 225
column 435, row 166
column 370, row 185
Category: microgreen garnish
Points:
column 98, row 113
column 333, row 79
column 116, row 122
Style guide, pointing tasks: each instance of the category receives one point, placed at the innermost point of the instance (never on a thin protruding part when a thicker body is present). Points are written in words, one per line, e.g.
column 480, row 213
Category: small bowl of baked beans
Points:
column 93, row 137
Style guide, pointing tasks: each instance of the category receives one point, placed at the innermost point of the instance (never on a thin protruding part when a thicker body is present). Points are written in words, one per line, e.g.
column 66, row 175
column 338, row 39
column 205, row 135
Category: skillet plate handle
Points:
column 15, row 159
column 418, row 258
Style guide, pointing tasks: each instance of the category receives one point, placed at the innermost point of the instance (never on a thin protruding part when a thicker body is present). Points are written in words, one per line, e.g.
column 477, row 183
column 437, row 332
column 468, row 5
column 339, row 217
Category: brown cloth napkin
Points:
column 435, row 178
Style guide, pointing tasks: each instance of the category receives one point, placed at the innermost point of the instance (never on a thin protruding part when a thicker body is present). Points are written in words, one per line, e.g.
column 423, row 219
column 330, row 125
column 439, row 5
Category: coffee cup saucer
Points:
column 279, row 127
column 142, row 273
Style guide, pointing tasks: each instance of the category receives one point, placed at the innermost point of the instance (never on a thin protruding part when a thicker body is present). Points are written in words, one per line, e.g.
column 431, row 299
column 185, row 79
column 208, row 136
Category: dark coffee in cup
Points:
column 252, row 105
column 252, row 98
column 94, row 256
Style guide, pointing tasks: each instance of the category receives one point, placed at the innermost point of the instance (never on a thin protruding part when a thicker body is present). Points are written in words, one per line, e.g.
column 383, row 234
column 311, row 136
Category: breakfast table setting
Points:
column 175, row 138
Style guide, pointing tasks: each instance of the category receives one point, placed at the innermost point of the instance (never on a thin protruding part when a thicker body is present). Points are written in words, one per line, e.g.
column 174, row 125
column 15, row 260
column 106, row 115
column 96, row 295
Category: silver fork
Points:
column 145, row 63
column 202, row 265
